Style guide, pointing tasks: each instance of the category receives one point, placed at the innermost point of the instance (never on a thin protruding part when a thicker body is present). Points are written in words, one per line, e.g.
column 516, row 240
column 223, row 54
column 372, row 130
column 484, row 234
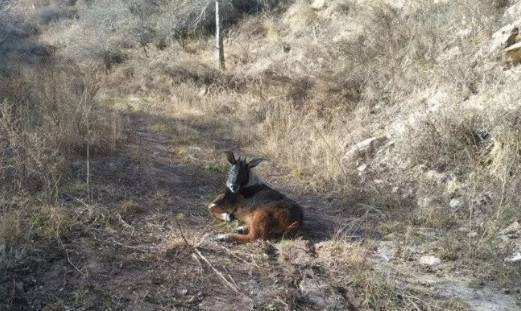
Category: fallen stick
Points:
column 226, row 282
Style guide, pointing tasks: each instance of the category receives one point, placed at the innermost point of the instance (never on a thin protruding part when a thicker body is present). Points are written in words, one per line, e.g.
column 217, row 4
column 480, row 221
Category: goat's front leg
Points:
column 259, row 228
column 219, row 213
column 241, row 230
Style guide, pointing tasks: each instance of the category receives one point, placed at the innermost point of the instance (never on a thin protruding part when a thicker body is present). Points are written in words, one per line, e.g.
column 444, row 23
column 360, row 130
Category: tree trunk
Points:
column 219, row 45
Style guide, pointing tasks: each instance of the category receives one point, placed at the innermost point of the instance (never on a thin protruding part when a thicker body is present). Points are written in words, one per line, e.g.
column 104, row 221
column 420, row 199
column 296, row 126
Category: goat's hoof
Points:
column 222, row 238
column 241, row 230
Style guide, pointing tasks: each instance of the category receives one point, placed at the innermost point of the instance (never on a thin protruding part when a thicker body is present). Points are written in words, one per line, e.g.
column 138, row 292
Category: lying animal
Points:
column 265, row 212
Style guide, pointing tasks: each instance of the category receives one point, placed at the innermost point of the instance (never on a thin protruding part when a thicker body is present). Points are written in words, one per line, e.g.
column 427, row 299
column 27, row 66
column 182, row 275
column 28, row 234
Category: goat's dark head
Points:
column 240, row 175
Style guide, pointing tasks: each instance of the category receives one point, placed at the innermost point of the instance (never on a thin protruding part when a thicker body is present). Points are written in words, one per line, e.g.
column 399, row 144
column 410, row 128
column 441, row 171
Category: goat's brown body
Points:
column 265, row 212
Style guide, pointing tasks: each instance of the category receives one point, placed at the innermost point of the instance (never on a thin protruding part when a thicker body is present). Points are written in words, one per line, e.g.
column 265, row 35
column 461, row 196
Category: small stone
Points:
column 511, row 230
column 386, row 252
column 430, row 261
column 472, row 234
column 456, row 203
column 366, row 147
column 463, row 229
column 435, row 176
column 202, row 92
column 514, row 258
column 318, row 4
column 425, row 202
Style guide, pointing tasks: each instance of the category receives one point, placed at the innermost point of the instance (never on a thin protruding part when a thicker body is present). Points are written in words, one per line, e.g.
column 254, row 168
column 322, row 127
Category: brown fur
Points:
column 266, row 213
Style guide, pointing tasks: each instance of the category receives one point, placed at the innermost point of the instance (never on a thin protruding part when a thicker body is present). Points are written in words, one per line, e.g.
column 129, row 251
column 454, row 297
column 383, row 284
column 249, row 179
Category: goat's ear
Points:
column 230, row 157
column 255, row 162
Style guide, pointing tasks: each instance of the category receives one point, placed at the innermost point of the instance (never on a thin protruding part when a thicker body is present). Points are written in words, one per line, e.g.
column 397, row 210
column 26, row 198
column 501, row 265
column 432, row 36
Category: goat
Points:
column 266, row 212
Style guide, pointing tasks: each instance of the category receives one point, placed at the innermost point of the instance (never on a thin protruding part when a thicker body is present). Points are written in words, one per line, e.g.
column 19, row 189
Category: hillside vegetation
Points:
column 396, row 124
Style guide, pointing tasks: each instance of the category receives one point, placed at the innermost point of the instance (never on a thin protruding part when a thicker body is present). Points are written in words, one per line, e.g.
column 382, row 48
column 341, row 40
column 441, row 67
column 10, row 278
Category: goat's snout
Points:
column 232, row 186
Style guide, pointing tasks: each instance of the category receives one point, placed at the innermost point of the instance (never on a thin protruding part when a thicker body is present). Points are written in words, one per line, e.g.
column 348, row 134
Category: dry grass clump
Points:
column 129, row 209
column 468, row 175
column 47, row 111
column 49, row 117
column 450, row 139
column 480, row 149
column 23, row 225
column 11, row 229
column 339, row 252
column 396, row 54
column 201, row 75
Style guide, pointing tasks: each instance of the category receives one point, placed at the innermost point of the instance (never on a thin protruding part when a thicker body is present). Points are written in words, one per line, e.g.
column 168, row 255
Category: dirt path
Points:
column 161, row 202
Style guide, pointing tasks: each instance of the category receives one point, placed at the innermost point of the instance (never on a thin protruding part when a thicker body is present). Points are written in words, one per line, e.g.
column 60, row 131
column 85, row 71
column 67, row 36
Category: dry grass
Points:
column 303, row 86
column 49, row 117
column 50, row 125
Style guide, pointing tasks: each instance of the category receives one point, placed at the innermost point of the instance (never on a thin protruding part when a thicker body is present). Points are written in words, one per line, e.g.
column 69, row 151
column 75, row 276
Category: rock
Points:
column 429, row 261
column 510, row 232
column 318, row 4
column 472, row 234
column 514, row 258
column 456, row 204
column 425, row 202
column 362, row 168
column 366, row 147
column 513, row 12
column 386, row 251
column 497, row 43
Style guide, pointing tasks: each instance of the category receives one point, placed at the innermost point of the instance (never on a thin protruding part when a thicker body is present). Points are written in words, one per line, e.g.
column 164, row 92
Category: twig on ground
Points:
column 195, row 251
column 229, row 252
column 223, row 278
column 182, row 234
column 67, row 254
column 124, row 223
